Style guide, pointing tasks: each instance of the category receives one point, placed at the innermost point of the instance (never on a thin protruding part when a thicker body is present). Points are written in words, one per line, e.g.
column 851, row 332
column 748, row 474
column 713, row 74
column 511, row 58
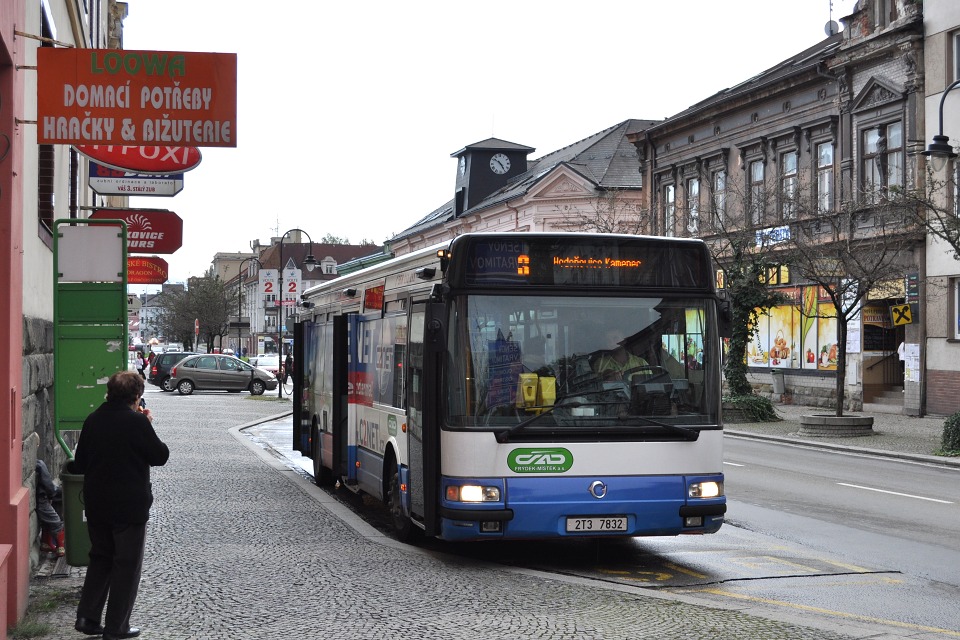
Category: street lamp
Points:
column 940, row 150
column 240, row 279
column 310, row 263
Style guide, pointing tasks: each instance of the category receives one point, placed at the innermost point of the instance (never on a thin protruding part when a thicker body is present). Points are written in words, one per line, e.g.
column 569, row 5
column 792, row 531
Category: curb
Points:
column 952, row 463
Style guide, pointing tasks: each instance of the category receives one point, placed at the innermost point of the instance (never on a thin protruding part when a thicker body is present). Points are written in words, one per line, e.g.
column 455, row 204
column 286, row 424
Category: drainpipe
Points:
column 74, row 182
column 654, row 193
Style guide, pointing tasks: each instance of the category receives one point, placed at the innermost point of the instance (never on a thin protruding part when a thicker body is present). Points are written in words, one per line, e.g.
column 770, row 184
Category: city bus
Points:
column 521, row 386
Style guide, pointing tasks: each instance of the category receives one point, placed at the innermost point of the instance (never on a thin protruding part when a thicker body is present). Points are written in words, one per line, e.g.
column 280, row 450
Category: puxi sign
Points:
column 148, row 231
column 146, row 160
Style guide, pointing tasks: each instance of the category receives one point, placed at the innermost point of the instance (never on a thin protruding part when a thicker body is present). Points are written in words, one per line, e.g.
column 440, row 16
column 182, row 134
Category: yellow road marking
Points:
column 684, row 570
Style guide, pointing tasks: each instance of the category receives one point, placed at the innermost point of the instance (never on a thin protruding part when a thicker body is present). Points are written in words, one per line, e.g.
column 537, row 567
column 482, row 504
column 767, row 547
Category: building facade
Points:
column 941, row 342
column 261, row 314
column 38, row 185
column 824, row 139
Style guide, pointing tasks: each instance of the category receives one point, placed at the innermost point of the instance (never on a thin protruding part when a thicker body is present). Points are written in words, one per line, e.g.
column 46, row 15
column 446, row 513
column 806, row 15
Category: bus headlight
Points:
column 473, row 493
column 709, row 489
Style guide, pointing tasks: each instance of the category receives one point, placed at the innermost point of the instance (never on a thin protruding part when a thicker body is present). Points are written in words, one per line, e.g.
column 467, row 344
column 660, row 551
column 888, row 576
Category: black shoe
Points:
column 132, row 632
column 88, row 626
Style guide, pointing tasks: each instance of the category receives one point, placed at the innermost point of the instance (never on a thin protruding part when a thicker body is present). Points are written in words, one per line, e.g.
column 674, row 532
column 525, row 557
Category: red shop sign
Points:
column 148, row 160
column 147, row 270
column 148, row 231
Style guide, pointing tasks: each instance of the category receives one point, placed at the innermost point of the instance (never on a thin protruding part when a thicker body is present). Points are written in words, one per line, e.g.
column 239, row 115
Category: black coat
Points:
column 116, row 449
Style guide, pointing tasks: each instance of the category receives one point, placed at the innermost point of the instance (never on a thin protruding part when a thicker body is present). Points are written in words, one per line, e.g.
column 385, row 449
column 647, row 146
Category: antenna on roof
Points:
column 831, row 28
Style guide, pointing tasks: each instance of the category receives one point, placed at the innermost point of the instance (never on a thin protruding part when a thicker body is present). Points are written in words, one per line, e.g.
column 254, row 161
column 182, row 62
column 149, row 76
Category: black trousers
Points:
column 116, row 559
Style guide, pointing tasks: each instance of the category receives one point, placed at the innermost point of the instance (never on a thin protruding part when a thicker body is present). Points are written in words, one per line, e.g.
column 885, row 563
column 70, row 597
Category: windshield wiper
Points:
column 503, row 436
column 688, row 434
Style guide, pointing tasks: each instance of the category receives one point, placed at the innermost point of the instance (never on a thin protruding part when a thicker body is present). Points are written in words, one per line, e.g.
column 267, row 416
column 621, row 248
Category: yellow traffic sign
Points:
column 901, row 314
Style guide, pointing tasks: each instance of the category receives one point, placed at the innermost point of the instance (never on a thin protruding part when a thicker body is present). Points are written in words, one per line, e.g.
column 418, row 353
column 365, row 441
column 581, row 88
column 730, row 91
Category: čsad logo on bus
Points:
column 553, row 460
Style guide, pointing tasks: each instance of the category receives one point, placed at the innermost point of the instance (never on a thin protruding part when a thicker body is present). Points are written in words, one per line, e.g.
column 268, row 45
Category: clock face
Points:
column 463, row 165
column 500, row 163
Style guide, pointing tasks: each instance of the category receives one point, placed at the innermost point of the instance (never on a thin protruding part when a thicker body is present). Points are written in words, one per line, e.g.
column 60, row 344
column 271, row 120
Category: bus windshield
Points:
column 567, row 364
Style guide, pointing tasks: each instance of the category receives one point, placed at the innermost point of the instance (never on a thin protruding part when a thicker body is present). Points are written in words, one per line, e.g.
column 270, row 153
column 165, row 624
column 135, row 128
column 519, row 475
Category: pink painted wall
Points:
column 14, row 498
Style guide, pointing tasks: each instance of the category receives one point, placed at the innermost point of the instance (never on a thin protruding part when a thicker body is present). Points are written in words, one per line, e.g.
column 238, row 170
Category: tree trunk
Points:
column 841, row 361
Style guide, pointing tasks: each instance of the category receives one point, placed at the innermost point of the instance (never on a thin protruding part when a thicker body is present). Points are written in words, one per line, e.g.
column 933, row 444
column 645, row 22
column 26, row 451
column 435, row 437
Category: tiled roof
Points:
column 298, row 251
column 606, row 158
column 806, row 59
column 494, row 143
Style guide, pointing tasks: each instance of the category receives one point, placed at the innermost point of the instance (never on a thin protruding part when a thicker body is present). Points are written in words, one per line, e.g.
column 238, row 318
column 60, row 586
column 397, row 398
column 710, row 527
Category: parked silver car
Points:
column 219, row 373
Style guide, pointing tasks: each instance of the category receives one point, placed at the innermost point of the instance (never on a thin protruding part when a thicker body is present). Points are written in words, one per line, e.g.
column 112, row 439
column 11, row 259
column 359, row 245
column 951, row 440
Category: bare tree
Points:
column 609, row 212
column 851, row 252
column 207, row 301
column 934, row 207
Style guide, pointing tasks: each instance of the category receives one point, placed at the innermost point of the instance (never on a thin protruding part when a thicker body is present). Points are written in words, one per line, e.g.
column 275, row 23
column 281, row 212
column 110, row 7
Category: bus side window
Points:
column 397, row 326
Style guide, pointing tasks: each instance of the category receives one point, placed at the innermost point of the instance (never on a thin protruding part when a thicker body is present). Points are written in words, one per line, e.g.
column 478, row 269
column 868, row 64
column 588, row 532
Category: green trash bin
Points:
column 77, row 537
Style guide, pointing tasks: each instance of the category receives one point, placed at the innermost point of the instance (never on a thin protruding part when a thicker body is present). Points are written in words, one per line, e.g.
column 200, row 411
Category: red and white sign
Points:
column 268, row 284
column 147, row 160
column 292, row 287
column 128, row 97
column 148, row 231
column 147, row 270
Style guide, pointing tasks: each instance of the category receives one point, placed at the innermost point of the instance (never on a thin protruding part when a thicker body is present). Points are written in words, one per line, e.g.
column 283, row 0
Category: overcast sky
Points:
column 348, row 111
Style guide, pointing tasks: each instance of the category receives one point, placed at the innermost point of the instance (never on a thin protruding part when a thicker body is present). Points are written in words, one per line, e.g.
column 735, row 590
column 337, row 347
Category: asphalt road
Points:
column 840, row 536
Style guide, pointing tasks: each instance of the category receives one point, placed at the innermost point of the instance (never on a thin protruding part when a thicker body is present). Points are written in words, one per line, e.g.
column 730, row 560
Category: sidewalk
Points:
column 894, row 435
column 242, row 546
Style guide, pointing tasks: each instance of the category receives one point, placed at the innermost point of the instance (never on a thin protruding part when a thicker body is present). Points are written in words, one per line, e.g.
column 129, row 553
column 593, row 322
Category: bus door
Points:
column 301, row 431
column 425, row 344
column 340, row 424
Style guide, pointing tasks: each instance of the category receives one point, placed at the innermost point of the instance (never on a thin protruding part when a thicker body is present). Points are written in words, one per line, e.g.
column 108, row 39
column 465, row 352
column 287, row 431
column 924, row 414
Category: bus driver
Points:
column 614, row 363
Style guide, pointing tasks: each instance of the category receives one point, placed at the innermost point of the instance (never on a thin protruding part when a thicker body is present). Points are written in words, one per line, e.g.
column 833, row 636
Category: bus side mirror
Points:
column 725, row 318
column 434, row 333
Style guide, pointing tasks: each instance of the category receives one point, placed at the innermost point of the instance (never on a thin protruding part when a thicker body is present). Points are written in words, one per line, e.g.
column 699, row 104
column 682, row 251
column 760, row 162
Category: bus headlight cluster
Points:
column 709, row 489
column 473, row 493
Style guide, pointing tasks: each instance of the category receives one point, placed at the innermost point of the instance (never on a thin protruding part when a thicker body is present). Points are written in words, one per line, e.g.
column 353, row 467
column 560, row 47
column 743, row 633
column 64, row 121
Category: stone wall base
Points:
column 807, row 391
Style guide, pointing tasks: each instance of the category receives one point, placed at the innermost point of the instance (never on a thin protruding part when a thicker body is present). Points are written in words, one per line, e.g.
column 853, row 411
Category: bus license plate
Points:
column 596, row 524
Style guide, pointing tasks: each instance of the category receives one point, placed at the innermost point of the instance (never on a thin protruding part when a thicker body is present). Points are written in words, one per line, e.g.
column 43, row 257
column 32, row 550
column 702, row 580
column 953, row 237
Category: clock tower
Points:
column 484, row 167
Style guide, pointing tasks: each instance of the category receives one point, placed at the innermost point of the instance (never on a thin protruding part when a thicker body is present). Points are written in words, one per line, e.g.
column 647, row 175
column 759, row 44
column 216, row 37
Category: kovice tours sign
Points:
column 148, row 231
column 136, row 98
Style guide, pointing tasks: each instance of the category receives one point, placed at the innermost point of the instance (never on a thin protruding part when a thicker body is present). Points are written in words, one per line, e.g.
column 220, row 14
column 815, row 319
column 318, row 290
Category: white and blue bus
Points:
column 521, row 385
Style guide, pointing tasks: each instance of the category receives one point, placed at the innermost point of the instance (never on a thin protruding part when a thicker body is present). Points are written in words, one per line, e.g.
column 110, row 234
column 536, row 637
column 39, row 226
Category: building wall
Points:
column 942, row 348
column 868, row 77
column 15, row 498
column 26, row 278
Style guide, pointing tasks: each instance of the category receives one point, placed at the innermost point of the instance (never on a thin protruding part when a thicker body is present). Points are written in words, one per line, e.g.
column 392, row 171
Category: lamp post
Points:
column 940, row 150
column 310, row 263
column 240, row 279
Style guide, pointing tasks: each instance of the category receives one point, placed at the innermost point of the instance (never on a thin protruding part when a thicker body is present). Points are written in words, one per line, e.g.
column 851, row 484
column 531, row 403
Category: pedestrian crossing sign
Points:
column 901, row 314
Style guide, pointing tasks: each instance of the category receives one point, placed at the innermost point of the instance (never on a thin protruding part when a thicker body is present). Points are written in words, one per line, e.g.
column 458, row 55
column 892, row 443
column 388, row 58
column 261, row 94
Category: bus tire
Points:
column 402, row 525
